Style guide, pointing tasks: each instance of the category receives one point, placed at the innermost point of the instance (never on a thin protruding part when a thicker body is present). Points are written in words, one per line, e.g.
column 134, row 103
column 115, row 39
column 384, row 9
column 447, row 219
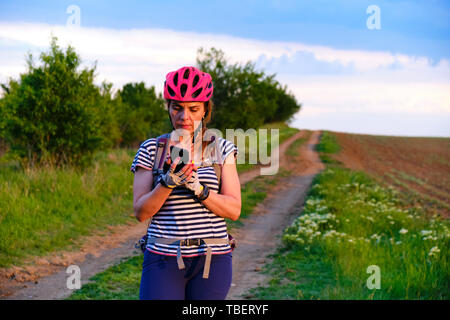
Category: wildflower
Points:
column 434, row 251
column 403, row 231
column 398, row 242
column 425, row 232
column 375, row 236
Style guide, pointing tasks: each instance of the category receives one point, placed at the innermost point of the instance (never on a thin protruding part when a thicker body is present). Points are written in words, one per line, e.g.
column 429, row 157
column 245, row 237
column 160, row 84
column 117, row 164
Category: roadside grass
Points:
column 328, row 145
column 348, row 224
column 121, row 282
column 46, row 209
column 294, row 148
column 245, row 156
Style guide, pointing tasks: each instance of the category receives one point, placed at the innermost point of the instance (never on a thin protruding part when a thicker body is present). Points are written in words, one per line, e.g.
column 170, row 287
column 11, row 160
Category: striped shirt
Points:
column 182, row 214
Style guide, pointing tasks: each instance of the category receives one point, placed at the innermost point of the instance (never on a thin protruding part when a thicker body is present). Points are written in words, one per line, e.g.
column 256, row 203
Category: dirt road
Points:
column 45, row 278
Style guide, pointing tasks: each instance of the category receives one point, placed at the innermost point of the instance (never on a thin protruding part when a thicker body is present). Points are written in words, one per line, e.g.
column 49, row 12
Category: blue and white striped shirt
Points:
column 182, row 215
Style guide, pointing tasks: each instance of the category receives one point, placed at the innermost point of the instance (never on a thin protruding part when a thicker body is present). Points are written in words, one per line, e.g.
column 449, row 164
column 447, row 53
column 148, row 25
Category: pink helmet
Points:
column 188, row 84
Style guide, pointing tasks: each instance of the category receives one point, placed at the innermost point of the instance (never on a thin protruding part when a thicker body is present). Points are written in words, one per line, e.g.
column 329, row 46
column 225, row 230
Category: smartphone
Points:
column 174, row 153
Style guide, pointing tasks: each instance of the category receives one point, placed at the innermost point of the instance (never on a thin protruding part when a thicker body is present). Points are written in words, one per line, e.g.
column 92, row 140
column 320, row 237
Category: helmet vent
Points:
column 196, row 93
column 183, row 89
column 175, row 79
column 186, row 74
column 171, row 92
column 196, row 79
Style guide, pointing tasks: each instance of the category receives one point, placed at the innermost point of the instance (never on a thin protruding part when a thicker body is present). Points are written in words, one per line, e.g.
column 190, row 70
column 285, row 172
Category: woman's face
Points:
column 185, row 114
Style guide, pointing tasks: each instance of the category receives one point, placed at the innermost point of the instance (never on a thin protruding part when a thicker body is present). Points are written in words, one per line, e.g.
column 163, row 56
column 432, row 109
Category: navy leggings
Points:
column 162, row 280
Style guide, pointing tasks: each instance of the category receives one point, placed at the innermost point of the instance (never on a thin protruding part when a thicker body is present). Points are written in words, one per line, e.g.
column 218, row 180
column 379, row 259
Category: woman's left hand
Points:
column 194, row 184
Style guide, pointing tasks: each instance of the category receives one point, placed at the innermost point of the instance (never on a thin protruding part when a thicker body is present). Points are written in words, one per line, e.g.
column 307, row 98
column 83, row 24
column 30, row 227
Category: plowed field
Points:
column 419, row 167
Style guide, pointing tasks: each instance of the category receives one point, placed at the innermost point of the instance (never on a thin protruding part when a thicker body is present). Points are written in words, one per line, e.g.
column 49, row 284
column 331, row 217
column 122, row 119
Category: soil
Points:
column 44, row 278
column 421, row 166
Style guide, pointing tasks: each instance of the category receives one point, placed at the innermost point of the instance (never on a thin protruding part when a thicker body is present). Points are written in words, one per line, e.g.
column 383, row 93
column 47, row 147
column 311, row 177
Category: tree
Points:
column 54, row 113
column 140, row 113
column 243, row 96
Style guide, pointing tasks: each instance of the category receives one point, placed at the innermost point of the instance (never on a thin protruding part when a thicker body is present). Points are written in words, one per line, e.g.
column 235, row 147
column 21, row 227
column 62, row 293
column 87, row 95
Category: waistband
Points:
column 191, row 242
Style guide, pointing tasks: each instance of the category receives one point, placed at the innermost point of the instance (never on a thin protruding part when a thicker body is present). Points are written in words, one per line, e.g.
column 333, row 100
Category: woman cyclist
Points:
column 188, row 254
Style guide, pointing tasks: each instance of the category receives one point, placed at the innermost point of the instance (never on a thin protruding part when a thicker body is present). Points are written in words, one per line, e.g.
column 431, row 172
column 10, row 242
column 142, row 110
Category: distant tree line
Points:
column 55, row 114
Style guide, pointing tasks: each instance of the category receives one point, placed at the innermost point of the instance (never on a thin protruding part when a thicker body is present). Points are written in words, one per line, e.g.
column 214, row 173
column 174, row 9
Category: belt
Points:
column 191, row 242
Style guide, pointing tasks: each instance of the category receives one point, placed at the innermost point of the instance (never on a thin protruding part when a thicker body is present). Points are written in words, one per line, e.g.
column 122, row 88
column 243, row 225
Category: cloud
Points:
column 324, row 79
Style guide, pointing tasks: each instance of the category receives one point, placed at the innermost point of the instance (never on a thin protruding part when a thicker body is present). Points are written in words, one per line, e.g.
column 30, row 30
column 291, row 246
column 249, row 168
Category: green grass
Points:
column 349, row 222
column 122, row 281
column 295, row 146
column 46, row 209
column 284, row 133
column 295, row 275
column 328, row 145
column 119, row 282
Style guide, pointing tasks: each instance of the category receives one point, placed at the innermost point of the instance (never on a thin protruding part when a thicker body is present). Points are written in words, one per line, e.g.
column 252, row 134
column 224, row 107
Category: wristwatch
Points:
column 205, row 193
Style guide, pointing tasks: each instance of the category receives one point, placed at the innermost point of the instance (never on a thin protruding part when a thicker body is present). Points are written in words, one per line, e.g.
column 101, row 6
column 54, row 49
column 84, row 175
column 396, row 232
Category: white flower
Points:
column 425, row 232
column 398, row 242
column 434, row 251
column 403, row 231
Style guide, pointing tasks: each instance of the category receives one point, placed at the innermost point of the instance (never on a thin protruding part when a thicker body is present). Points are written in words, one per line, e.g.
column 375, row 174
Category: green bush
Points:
column 54, row 114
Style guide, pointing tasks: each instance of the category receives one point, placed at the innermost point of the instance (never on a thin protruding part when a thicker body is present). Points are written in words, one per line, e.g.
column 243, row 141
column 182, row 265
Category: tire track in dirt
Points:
column 45, row 277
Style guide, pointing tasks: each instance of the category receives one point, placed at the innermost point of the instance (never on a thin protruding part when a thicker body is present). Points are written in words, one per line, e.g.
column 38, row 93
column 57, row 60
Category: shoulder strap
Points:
column 161, row 151
column 217, row 167
column 218, row 170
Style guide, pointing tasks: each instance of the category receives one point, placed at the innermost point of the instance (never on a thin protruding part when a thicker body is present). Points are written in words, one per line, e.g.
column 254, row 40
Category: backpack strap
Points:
column 218, row 171
column 161, row 152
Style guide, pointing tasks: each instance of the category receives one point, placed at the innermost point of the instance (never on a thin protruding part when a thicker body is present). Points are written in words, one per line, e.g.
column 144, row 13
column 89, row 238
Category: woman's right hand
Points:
column 173, row 179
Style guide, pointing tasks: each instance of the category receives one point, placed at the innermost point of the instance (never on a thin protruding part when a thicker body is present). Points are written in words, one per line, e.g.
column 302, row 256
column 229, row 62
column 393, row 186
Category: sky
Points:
column 369, row 67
